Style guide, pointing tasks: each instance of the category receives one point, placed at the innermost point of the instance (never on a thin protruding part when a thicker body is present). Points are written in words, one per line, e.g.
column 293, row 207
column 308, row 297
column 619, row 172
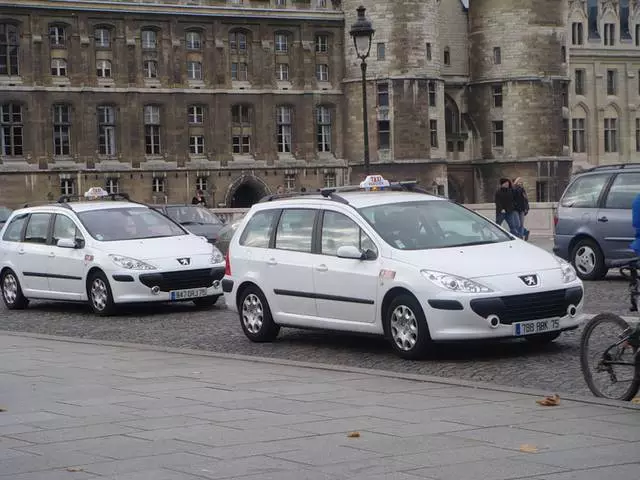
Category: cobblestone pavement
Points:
column 553, row 367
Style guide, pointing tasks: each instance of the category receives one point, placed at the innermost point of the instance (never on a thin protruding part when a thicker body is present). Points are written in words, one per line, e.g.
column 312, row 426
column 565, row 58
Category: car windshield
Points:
column 189, row 215
column 431, row 224
column 132, row 223
column 5, row 213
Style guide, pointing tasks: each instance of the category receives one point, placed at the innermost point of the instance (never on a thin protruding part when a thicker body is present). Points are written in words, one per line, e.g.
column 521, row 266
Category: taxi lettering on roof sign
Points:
column 374, row 182
column 95, row 192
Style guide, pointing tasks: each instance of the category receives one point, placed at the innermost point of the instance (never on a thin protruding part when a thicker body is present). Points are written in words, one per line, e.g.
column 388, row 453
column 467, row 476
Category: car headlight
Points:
column 454, row 283
column 568, row 272
column 216, row 256
column 130, row 263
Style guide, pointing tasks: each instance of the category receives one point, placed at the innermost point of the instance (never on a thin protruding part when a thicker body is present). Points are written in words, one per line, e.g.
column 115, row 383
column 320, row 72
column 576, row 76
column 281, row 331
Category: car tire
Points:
column 542, row 338
column 12, row 291
column 406, row 327
column 100, row 295
column 255, row 316
column 588, row 260
column 206, row 301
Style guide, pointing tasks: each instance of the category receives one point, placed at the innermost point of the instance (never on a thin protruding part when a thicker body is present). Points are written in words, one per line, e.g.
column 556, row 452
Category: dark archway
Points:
column 246, row 191
column 451, row 116
column 456, row 192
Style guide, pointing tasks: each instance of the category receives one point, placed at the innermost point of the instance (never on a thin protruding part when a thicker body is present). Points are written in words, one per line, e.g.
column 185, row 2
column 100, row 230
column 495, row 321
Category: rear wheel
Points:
column 407, row 328
column 598, row 346
column 12, row 292
column 255, row 316
column 100, row 296
column 588, row 260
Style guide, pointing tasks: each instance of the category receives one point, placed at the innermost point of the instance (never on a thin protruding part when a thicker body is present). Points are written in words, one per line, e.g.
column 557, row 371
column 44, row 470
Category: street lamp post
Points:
column 362, row 32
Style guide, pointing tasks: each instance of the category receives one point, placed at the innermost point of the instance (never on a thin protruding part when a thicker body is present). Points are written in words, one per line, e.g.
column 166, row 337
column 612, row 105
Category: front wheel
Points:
column 100, row 296
column 407, row 328
column 255, row 316
column 602, row 351
column 588, row 260
column 12, row 292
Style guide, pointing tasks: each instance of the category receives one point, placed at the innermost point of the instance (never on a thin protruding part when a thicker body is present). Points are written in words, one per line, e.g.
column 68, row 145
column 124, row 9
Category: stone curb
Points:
column 324, row 366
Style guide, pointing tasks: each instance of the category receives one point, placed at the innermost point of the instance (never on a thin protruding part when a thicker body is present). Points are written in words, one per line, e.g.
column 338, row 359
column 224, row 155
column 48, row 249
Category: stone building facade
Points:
column 236, row 97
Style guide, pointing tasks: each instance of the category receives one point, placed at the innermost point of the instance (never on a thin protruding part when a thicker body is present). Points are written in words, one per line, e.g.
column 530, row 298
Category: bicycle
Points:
column 621, row 352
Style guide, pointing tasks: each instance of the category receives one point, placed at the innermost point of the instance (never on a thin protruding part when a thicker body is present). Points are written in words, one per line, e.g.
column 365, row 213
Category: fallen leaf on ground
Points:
column 75, row 469
column 353, row 435
column 549, row 401
column 526, row 448
column 635, row 401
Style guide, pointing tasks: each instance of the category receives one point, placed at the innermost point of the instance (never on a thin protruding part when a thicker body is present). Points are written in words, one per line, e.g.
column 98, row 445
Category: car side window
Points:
column 623, row 192
column 584, row 192
column 13, row 233
column 295, row 230
column 257, row 232
column 338, row 230
column 37, row 228
column 64, row 227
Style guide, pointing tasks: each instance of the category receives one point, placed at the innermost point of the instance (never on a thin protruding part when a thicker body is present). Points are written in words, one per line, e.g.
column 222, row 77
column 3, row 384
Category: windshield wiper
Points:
column 191, row 222
column 478, row 242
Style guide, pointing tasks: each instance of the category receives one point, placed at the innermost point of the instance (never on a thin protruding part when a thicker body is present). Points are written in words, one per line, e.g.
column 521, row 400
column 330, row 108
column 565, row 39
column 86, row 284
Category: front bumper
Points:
column 495, row 316
column 140, row 287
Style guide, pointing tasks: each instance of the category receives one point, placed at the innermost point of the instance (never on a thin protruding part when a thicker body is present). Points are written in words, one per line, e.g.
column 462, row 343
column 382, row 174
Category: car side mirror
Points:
column 349, row 251
column 66, row 243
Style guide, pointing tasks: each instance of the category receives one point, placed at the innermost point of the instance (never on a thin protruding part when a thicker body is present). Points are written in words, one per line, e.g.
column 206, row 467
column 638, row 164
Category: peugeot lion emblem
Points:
column 530, row 280
column 184, row 261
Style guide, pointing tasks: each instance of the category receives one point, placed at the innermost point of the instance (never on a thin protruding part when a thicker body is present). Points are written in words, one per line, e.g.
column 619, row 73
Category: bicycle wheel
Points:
column 598, row 345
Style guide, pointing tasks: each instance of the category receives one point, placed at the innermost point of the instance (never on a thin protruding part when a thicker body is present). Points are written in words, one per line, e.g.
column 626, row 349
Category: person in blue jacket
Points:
column 635, row 215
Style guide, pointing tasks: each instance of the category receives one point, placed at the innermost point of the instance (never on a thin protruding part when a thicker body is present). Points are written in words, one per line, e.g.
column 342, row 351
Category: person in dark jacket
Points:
column 521, row 204
column 199, row 199
column 506, row 207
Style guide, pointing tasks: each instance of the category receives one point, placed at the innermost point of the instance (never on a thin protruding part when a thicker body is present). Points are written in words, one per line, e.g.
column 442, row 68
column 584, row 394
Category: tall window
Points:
column 107, row 130
column 565, row 132
column 241, row 128
column 238, row 41
column 496, row 91
column 381, row 51
column 103, row 69
column 11, row 130
column 612, row 82
column 637, row 134
column 432, row 93
column 58, row 67
column 577, row 33
column 497, row 55
column 149, row 39
column 102, row 37
column 112, row 185
column 322, row 72
column 578, row 132
column 202, row 183
column 281, row 43
column 384, row 134
column 497, row 137
column 323, row 129
column 158, row 185
column 61, row 130
column 196, row 144
column 283, row 122
column 195, row 114
column 446, row 56
column 433, row 133
column 429, row 53
column 609, row 34
column 194, row 41
column 239, row 71
column 282, row 71
column 637, row 34
column 57, row 36
column 322, row 43
column 383, row 94
column 194, row 70
column 579, row 81
column 150, row 68
column 152, row 130
column 67, row 186
column 610, row 135
column 9, row 46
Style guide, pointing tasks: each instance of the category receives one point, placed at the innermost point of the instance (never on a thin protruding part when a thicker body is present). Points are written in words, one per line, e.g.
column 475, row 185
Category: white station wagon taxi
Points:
column 392, row 260
column 106, row 252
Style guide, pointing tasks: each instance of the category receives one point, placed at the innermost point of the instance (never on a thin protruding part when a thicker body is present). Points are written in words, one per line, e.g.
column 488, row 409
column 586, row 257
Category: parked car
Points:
column 225, row 235
column 593, row 226
column 5, row 213
column 198, row 220
column 387, row 259
column 106, row 252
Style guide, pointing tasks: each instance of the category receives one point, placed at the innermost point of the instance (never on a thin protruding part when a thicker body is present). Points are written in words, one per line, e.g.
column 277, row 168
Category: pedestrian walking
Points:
column 521, row 204
column 506, row 208
column 199, row 199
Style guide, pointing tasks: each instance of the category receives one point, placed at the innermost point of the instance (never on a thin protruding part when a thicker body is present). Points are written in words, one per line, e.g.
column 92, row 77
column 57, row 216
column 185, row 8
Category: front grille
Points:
column 530, row 306
column 182, row 279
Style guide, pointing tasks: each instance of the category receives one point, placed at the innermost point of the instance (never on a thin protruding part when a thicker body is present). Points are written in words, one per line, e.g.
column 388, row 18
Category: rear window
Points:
column 623, row 191
column 584, row 192
column 257, row 233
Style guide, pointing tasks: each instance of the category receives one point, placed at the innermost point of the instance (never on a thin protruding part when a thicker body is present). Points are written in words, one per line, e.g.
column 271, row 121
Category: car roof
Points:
column 79, row 207
column 609, row 168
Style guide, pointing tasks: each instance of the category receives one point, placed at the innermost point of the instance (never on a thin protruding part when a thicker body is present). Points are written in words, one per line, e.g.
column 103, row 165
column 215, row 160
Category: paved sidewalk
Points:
column 78, row 410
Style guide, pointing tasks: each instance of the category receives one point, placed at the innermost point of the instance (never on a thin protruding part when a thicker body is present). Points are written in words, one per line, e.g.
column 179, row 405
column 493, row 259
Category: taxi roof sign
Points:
column 374, row 182
column 96, row 192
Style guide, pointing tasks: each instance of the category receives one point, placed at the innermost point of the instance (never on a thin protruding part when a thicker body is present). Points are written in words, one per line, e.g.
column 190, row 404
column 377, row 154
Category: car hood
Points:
column 206, row 230
column 155, row 248
column 478, row 261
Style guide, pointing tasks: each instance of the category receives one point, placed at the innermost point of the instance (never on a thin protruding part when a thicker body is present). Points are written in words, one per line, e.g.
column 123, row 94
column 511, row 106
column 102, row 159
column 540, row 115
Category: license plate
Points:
column 536, row 326
column 188, row 293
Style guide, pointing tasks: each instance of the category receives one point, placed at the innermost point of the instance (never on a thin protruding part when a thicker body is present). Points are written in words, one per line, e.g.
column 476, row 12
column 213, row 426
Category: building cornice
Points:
column 165, row 91
column 174, row 9
column 605, row 54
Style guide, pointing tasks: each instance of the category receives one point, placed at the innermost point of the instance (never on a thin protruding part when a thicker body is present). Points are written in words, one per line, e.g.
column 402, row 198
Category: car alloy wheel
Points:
column 404, row 328
column 10, row 288
column 99, row 294
column 252, row 313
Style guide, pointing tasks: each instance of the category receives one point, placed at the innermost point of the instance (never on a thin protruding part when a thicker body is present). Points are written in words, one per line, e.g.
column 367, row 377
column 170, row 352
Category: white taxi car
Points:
column 389, row 259
column 106, row 252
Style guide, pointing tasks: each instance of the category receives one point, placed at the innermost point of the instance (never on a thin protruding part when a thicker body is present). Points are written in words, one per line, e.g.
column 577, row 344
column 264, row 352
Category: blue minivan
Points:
column 593, row 226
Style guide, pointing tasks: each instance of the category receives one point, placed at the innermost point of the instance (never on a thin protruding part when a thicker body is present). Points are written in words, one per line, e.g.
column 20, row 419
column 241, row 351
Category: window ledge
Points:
column 60, row 80
column 10, row 79
column 240, row 84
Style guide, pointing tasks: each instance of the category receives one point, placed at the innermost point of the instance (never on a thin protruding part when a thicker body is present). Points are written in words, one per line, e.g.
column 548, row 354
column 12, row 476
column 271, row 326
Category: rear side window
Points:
column 584, row 192
column 257, row 233
column 38, row 228
column 13, row 233
column 624, row 190
column 295, row 230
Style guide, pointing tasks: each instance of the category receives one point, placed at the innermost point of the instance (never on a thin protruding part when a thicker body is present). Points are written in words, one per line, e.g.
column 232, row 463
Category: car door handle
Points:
column 272, row 261
column 603, row 219
column 322, row 268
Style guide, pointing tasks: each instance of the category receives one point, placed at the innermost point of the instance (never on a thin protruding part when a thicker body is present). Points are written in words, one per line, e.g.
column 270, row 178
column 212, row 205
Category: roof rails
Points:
column 615, row 166
column 112, row 196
